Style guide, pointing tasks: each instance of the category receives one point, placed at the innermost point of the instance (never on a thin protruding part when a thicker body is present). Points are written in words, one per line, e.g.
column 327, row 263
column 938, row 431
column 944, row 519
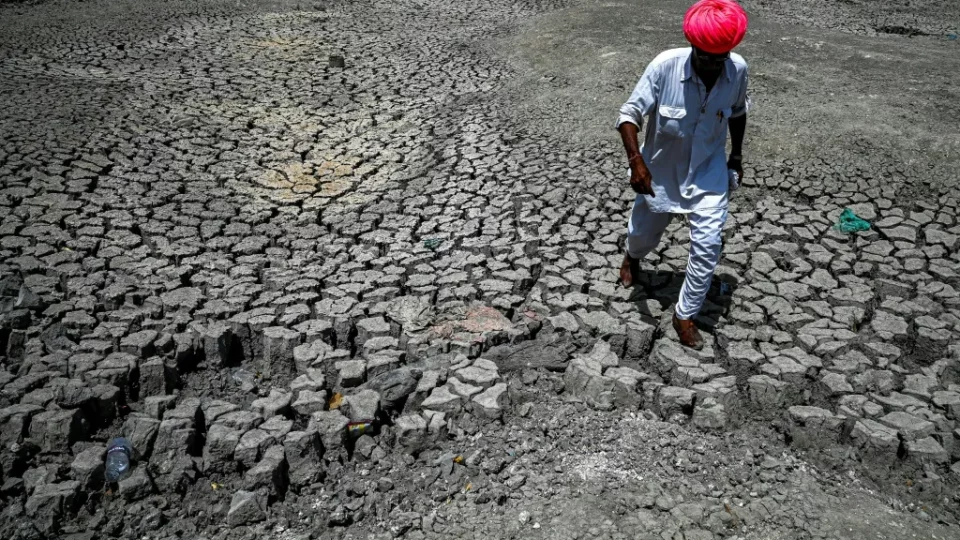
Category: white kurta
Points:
column 683, row 147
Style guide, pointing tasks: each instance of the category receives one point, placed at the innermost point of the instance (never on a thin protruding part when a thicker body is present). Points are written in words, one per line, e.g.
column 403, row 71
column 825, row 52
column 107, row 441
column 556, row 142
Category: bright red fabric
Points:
column 715, row 26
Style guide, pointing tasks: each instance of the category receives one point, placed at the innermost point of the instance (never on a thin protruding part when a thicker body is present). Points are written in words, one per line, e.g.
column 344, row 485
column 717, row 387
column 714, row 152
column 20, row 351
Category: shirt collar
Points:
column 687, row 72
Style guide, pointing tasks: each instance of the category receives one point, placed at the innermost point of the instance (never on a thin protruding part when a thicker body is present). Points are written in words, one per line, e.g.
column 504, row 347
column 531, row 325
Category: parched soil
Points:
column 347, row 269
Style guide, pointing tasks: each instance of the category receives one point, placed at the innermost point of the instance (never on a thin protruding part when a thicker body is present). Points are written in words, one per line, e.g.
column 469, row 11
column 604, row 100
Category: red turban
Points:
column 715, row 26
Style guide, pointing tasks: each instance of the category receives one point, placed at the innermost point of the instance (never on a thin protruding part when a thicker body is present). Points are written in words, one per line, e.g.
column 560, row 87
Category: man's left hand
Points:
column 736, row 163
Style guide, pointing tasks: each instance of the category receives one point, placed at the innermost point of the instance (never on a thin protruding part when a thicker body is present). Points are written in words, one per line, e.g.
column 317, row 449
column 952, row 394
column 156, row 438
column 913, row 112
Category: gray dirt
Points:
column 347, row 269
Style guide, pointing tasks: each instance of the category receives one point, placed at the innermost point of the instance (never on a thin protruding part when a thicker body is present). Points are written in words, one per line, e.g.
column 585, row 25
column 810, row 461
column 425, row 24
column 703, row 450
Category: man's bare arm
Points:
column 628, row 133
column 738, row 126
column 640, row 179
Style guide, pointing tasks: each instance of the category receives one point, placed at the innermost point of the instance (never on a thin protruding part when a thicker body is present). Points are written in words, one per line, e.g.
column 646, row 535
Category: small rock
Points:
column 515, row 481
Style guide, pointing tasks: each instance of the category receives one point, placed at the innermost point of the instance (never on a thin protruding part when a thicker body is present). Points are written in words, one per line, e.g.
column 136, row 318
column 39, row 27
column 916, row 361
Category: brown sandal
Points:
column 688, row 333
column 629, row 270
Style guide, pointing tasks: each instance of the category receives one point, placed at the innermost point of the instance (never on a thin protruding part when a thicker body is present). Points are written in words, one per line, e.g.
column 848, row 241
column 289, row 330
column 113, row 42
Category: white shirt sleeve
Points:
column 743, row 103
column 643, row 98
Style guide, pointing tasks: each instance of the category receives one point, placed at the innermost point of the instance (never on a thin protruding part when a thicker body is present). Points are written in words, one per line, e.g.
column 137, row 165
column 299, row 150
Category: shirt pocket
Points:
column 670, row 121
column 721, row 117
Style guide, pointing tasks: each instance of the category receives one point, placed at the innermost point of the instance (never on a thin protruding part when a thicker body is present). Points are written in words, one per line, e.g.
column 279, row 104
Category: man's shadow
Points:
column 664, row 289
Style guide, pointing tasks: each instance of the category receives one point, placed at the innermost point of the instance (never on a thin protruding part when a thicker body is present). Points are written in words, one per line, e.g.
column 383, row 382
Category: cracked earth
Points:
column 347, row 270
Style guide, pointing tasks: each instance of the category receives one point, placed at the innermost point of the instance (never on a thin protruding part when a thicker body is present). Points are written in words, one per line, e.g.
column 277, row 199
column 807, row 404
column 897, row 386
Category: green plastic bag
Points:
column 850, row 222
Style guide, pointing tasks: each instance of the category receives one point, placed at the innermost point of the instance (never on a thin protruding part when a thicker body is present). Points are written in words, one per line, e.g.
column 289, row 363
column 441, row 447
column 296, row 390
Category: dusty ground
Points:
column 845, row 100
column 377, row 299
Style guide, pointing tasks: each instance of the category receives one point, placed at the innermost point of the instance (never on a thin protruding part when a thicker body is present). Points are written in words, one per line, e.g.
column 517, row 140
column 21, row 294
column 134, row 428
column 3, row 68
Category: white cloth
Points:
column 682, row 147
column 706, row 232
column 734, row 180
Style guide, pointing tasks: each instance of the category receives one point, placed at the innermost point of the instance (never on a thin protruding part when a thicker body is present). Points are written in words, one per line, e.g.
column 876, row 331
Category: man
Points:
column 691, row 96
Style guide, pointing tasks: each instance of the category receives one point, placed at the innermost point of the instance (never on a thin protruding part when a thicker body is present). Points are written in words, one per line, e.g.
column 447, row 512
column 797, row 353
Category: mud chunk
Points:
column 50, row 504
column 394, row 386
column 278, row 402
column 55, row 431
column 878, row 442
column 222, row 440
column 331, row 426
column 362, row 406
column 88, row 466
column 246, row 507
column 812, row 427
column 491, row 402
column 278, row 345
column 15, row 423
column 303, row 451
column 138, row 485
column 269, row 474
column 443, row 399
column 675, row 404
column 909, row 426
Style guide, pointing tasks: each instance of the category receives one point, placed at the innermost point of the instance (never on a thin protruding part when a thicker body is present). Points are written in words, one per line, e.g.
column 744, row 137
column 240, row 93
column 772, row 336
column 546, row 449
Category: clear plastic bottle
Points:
column 118, row 460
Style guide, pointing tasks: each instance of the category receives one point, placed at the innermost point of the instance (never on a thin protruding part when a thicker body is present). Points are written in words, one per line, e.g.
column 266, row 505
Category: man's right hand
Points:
column 640, row 179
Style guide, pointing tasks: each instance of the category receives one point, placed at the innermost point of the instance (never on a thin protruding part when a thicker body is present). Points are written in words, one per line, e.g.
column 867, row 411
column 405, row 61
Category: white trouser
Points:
column 645, row 229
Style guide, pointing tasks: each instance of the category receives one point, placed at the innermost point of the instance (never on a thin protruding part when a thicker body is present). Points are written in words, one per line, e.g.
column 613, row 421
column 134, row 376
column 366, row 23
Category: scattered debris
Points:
column 117, row 466
column 362, row 427
column 432, row 243
column 850, row 222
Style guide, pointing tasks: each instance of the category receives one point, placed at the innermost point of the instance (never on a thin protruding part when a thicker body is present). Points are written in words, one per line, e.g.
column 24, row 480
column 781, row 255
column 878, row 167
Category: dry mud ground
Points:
column 377, row 300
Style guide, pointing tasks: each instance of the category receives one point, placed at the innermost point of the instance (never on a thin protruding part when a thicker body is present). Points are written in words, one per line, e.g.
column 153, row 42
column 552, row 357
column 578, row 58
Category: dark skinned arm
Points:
column 640, row 179
column 738, row 126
